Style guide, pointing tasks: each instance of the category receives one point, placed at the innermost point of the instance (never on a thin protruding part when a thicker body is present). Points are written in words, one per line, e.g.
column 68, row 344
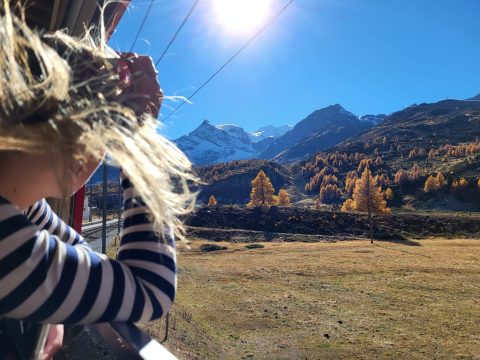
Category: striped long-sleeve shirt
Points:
column 49, row 274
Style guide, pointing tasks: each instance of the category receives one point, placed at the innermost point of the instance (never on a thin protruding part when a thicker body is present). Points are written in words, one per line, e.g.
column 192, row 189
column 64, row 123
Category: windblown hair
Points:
column 58, row 93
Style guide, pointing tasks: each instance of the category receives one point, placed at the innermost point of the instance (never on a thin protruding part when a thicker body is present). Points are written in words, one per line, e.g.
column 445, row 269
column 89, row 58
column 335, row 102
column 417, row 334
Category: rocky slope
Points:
column 230, row 183
column 443, row 122
column 320, row 130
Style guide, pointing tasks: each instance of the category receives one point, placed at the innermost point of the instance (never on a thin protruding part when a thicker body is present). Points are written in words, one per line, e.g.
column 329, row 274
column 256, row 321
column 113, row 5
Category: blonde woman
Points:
column 64, row 103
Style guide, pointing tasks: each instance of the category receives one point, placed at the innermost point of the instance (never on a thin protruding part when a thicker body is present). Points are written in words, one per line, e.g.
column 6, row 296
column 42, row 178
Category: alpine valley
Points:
column 331, row 146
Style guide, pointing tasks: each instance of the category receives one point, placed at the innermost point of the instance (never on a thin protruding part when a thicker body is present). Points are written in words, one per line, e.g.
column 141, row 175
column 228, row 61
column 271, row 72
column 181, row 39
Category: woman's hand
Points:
column 54, row 341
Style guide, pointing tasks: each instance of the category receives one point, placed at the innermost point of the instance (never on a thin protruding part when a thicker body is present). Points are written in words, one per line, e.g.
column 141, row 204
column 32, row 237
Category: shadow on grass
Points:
column 269, row 236
column 395, row 238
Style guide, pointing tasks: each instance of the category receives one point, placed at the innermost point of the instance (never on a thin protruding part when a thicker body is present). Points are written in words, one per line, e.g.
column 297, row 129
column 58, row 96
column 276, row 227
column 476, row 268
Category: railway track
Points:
column 94, row 231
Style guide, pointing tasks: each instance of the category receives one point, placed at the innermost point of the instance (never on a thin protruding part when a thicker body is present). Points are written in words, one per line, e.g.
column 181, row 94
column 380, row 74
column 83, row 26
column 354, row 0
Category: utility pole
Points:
column 104, row 209
column 369, row 204
column 119, row 204
column 90, row 199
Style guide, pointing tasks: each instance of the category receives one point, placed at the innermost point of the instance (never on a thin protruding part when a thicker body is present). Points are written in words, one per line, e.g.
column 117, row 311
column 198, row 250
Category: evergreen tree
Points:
column 283, row 198
column 212, row 201
column 262, row 193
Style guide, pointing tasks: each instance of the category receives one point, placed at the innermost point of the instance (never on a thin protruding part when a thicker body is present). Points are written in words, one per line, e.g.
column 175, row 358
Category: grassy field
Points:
column 344, row 300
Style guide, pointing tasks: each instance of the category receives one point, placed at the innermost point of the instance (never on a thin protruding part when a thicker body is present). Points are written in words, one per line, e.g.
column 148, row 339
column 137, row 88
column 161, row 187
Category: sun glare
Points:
column 241, row 16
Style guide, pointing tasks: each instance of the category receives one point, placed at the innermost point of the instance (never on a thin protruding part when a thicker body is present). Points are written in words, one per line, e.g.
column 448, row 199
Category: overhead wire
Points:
column 147, row 13
column 268, row 23
column 177, row 32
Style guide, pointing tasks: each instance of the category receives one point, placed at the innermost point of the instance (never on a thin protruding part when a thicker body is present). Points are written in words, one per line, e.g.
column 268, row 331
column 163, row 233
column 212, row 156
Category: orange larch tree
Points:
column 367, row 197
column 389, row 194
column 262, row 193
column 348, row 205
column 283, row 198
column 431, row 184
column 329, row 194
column 212, row 201
column 401, row 176
column 440, row 180
column 434, row 183
column 460, row 185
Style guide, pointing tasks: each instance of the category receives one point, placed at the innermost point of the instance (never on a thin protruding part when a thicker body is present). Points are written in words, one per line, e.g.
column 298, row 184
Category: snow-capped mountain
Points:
column 209, row 144
column 373, row 119
column 235, row 131
column 269, row 131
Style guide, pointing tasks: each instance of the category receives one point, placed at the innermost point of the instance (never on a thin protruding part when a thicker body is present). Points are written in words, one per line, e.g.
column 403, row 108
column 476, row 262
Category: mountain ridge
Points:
column 323, row 128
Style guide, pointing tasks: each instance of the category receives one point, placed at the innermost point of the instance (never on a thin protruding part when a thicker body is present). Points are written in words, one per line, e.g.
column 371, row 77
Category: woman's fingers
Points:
column 54, row 341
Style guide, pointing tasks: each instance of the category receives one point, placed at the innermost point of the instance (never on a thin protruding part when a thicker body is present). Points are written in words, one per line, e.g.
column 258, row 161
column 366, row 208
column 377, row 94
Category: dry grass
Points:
column 328, row 301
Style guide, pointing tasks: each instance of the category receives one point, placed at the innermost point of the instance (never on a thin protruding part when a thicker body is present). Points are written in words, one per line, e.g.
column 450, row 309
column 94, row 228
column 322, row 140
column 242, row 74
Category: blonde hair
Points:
column 58, row 93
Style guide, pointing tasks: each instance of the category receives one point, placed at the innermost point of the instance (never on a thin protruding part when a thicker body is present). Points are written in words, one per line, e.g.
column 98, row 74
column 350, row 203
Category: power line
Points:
column 233, row 57
column 177, row 32
column 142, row 24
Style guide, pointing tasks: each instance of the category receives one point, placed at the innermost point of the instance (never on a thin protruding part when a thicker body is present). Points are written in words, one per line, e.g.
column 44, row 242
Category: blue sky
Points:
column 370, row 56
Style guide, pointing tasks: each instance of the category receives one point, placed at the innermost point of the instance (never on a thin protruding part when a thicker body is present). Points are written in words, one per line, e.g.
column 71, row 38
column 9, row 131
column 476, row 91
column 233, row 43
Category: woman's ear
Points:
column 84, row 170
column 80, row 165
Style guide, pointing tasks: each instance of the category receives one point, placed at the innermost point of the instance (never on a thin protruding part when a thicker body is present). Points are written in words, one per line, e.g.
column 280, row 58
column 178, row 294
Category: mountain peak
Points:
column 476, row 97
column 206, row 125
column 335, row 107
column 206, row 122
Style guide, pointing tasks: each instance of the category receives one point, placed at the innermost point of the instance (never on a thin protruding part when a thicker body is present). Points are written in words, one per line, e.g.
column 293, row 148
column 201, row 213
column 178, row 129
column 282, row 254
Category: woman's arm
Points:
column 44, row 279
column 43, row 216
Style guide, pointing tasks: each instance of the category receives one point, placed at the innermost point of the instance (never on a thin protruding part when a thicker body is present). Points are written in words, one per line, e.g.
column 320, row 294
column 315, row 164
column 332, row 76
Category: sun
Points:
column 241, row 16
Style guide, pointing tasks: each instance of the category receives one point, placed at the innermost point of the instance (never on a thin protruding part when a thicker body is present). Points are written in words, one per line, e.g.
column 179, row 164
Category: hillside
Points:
column 443, row 122
column 320, row 130
column 420, row 140
column 230, row 183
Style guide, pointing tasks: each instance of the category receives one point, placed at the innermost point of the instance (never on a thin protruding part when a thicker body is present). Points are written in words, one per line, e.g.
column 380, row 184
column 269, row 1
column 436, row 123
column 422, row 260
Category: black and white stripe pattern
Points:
column 42, row 215
column 49, row 274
